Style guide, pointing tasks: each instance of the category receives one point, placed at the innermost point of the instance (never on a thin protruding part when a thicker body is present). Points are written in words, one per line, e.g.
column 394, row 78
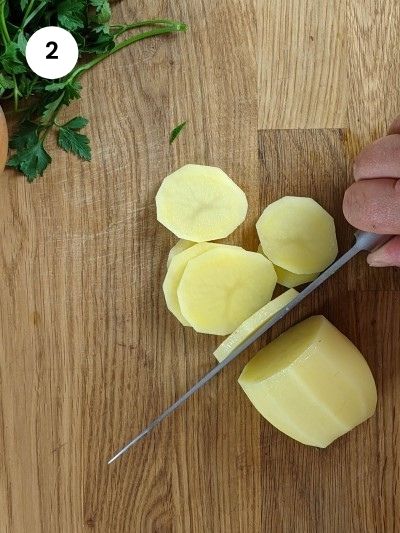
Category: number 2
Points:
column 51, row 55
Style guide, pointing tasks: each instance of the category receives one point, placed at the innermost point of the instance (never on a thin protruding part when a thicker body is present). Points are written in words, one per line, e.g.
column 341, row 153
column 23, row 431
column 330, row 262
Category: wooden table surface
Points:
column 281, row 94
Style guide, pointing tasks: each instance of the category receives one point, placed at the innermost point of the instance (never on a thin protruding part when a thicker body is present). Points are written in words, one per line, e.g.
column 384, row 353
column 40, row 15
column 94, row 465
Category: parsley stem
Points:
column 119, row 29
column 3, row 25
column 52, row 120
column 6, row 40
column 16, row 93
column 46, row 131
column 28, row 16
column 127, row 42
column 27, row 12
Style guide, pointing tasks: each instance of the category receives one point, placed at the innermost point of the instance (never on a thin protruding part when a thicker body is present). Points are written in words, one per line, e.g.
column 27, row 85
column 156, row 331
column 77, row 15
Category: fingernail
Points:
column 372, row 262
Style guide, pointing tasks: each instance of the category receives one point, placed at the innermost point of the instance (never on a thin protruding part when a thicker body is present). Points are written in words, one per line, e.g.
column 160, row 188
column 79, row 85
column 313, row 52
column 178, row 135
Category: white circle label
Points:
column 52, row 52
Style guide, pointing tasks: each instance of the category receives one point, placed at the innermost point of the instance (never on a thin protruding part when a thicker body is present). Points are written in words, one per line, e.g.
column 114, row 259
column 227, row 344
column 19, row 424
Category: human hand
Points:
column 372, row 203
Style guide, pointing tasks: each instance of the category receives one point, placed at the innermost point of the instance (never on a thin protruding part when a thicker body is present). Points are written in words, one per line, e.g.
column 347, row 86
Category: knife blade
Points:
column 364, row 242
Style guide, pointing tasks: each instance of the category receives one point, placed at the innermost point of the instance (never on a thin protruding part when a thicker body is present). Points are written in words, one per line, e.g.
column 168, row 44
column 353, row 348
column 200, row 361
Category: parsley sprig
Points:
column 97, row 38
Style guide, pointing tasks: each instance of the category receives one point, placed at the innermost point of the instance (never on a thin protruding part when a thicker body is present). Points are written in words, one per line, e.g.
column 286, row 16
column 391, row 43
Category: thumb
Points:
column 387, row 255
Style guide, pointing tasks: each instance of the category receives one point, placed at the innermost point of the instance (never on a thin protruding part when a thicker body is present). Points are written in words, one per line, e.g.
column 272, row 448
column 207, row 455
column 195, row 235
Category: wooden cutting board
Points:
column 281, row 95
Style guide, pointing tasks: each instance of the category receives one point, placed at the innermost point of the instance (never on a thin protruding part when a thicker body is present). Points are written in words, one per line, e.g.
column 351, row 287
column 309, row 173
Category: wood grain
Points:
column 373, row 61
column 301, row 64
column 217, row 92
column 334, row 490
column 89, row 353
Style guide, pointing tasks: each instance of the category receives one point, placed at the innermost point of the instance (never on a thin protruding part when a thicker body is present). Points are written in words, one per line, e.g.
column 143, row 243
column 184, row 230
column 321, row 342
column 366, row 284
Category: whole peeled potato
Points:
column 3, row 140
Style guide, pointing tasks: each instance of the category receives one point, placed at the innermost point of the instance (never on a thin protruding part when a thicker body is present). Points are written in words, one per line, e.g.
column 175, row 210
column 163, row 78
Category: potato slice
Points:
column 249, row 326
column 200, row 203
column 297, row 234
column 174, row 275
column 290, row 279
column 311, row 383
column 223, row 287
column 179, row 247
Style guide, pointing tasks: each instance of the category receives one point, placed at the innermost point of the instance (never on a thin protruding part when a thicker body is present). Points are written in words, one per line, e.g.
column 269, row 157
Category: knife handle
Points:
column 370, row 241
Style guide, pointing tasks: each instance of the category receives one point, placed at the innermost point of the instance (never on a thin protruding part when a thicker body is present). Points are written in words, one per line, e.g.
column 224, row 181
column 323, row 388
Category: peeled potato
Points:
column 174, row 275
column 223, row 287
column 179, row 247
column 3, row 140
column 290, row 279
column 297, row 234
column 249, row 326
column 311, row 383
column 200, row 203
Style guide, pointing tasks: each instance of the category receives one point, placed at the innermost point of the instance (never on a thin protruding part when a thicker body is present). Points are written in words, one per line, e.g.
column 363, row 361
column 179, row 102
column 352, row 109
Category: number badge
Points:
column 52, row 52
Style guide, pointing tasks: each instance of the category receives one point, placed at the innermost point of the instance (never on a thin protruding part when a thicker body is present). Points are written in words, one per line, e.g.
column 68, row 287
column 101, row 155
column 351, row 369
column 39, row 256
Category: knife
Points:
column 364, row 241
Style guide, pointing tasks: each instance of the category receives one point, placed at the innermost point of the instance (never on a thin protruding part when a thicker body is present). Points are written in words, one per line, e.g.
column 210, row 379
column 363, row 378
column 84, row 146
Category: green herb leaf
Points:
column 55, row 87
column 77, row 123
column 31, row 161
column 25, row 136
column 74, row 142
column 71, row 14
column 99, row 41
column 10, row 60
column 23, row 4
column 22, row 42
column 176, row 131
column 103, row 10
column 71, row 90
column 50, row 108
column 5, row 83
column 29, row 86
